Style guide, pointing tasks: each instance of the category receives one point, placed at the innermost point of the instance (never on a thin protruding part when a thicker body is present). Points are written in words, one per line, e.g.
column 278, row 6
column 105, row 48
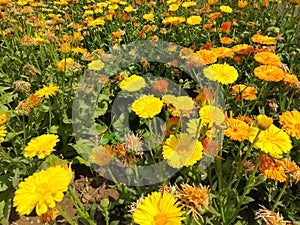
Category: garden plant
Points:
column 146, row 112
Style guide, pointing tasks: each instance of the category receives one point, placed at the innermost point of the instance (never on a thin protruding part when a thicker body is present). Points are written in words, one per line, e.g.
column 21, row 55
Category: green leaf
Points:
column 5, row 205
column 115, row 222
column 80, row 160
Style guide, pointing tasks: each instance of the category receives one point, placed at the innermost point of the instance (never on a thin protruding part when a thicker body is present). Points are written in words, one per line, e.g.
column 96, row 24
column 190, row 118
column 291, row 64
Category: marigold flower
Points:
column 264, row 40
column 188, row 4
column 3, row 119
column 174, row 20
column 33, row 100
column 226, row 40
column 4, row 2
column 207, row 56
column 101, row 155
column 273, row 140
column 129, row 9
column 183, row 104
column 267, row 58
column 290, row 79
column 65, row 47
column 225, row 27
column 211, row 115
column 3, row 133
column 194, row 20
column 212, row 2
column 269, row 73
column 213, row 16
column 158, row 208
column 226, row 9
column 147, row 106
column 49, row 216
column 264, row 122
column 223, row 73
column 237, row 130
column 272, row 170
column 242, row 4
column 41, row 190
column 47, row 91
column 243, row 49
column 64, row 64
column 96, row 65
column 96, row 22
column 223, row 52
column 182, row 150
column 243, row 92
column 132, row 83
column 290, row 121
column 173, row 7
column 160, row 86
column 148, row 16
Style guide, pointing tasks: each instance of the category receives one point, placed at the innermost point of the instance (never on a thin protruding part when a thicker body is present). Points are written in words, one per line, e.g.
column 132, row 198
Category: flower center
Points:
column 160, row 219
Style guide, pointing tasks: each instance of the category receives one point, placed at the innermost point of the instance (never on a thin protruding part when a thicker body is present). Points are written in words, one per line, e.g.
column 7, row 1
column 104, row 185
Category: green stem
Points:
column 280, row 195
column 65, row 215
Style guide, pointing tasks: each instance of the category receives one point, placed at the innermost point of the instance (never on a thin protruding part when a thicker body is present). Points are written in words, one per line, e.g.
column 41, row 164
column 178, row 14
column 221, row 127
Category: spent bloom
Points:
column 270, row 217
column 41, row 146
column 158, row 208
column 41, row 190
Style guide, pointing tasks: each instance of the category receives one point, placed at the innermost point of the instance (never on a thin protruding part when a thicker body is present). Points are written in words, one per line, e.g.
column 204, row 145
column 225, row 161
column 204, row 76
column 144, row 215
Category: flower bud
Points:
column 264, row 122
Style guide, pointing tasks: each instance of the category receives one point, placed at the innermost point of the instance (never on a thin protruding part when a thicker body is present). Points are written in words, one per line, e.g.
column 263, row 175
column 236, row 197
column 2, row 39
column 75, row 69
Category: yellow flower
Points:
column 98, row 21
column 3, row 133
column 3, row 119
column 194, row 20
column 223, row 73
column 64, row 64
column 243, row 92
column 237, row 130
column 96, row 65
column 158, row 208
column 129, row 9
column 182, row 150
column 41, row 146
column 47, row 91
column 223, row 52
column 173, row 7
column 211, row 115
column 65, row 47
column 226, row 40
column 183, row 104
column 213, row 2
column 226, row 9
column 132, row 83
column 264, row 40
column 188, row 4
column 267, row 58
column 243, row 49
column 264, row 122
column 174, row 20
column 273, row 140
column 269, row 73
column 147, row 106
column 41, row 190
column 148, row 16
column 290, row 121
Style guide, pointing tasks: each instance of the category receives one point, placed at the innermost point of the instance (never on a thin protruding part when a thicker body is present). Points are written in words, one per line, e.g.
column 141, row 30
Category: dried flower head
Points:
column 22, row 86
column 133, row 142
column 270, row 217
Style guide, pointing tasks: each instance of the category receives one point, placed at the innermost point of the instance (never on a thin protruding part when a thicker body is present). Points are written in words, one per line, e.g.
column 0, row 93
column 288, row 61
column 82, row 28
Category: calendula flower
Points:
column 291, row 169
column 49, row 216
column 223, row 73
column 226, row 9
column 129, row 9
column 147, row 106
column 269, row 73
column 290, row 79
column 267, row 58
column 158, row 208
column 64, row 64
column 132, row 83
column 96, row 22
column 188, row 4
column 272, row 170
column 148, row 16
column 242, row 4
column 4, row 2
column 182, row 150
column 41, row 190
column 96, row 65
column 237, row 130
column 101, row 155
column 3, row 119
column 47, row 91
column 207, row 56
column 174, row 20
column 223, row 52
column 225, row 27
column 226, row 40
column 273, row 140
column 194, row 20
column 160, row 86
column 173, row 7
column 264, row 122
column 183, row 104
column 264, row 40
column 3, row 133
column 243, row 49
column 290, row 121
column 41, row 146
column 211, row 115
column 270, row 217
column 243, row 92
column 212, row 2
column 193, row 127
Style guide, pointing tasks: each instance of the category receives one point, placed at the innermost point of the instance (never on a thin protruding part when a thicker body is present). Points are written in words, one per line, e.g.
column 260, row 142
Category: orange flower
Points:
column 271, row 170
column 269, row 73
column 267, row 58
column 207, row 56
column 237, row 130
column 160, row 85
column 223, row 52
column 242, row 4
column 226, row 40
column 241, row 90
column 290, row 121
column 243, row 49
column 213, row 16
column 207, row 25
column 290, row 78
column 265, row 3
column 264, row 40
column 225, row 27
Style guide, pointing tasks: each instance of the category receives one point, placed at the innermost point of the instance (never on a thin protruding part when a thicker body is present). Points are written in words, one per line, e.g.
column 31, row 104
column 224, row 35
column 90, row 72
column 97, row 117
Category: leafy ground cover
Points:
column 149, row 112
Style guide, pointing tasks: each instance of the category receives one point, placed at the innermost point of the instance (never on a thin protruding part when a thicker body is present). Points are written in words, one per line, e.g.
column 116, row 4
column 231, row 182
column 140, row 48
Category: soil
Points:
column 88, row 190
